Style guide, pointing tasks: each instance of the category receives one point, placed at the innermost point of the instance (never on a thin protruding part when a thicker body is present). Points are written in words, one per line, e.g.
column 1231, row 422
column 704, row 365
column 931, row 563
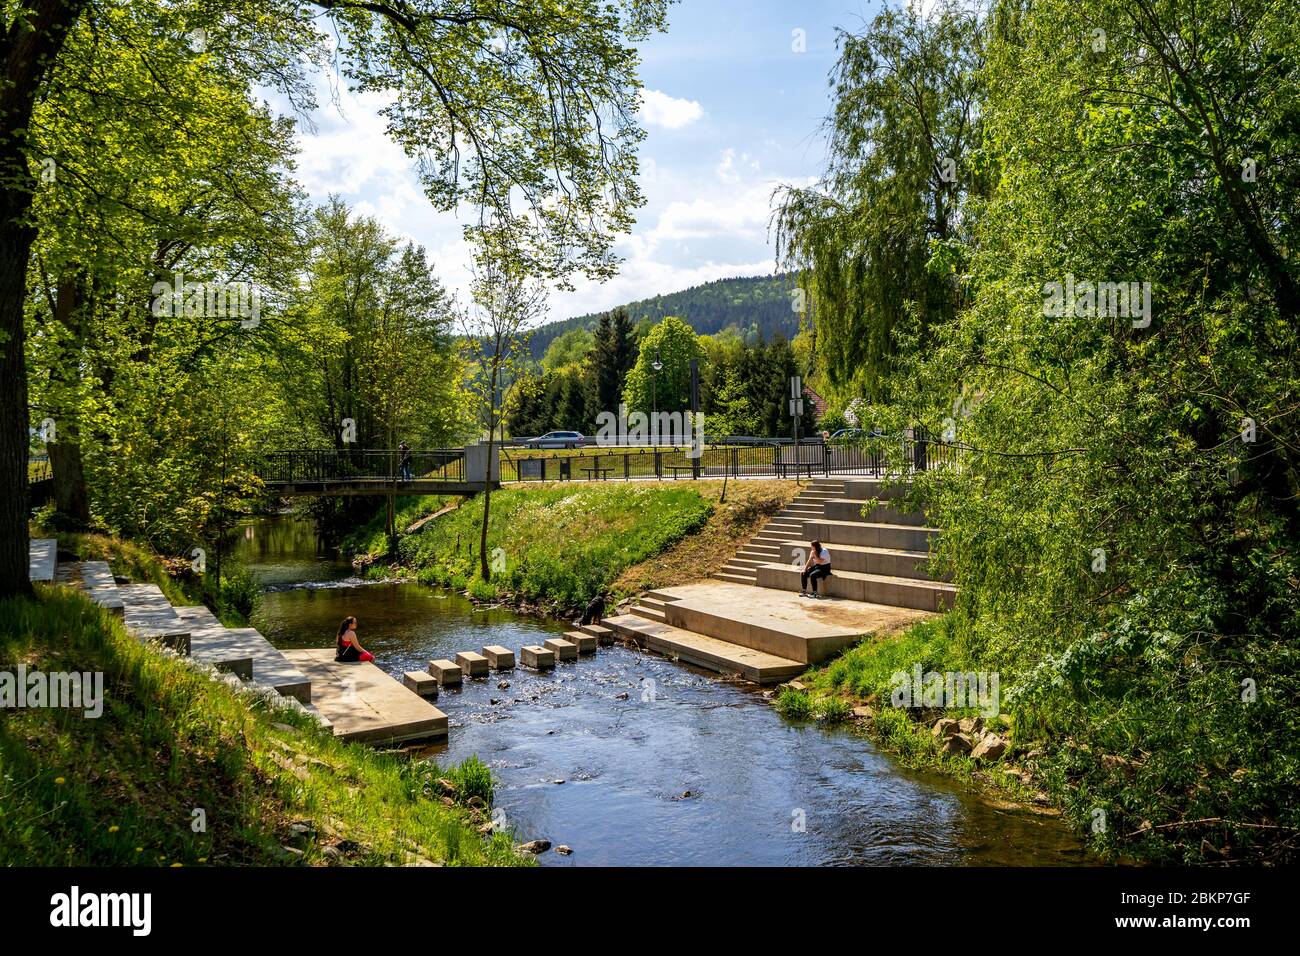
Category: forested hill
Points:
column 754, row 303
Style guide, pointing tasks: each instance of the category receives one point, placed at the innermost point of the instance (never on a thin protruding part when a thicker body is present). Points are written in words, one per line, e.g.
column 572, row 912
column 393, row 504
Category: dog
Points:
column 595, row 611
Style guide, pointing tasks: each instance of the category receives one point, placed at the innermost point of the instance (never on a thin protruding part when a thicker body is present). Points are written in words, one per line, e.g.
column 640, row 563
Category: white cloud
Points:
column 660, row 109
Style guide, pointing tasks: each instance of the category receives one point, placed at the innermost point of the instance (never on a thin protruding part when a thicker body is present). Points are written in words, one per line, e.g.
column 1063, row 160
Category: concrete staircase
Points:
column 882, row 578
column 785, row 528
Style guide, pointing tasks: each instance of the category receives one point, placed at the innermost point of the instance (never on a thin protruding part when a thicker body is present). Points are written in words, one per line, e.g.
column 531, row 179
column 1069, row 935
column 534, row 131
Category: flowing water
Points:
column 632, row 759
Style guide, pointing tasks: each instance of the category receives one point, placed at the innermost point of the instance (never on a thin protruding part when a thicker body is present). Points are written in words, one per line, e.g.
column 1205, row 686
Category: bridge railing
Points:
column 319, row 465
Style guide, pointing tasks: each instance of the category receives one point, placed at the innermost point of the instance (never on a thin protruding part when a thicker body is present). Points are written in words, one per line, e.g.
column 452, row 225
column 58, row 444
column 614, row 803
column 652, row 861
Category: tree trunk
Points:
column 71, row 502
column 30, row 46
column 485, row 570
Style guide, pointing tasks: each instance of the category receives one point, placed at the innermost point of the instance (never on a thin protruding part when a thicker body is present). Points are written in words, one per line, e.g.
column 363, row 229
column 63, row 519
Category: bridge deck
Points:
column 374, row 486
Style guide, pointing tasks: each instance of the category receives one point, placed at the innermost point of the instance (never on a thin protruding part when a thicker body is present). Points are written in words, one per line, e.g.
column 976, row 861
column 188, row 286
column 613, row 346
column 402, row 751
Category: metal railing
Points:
column 320, row 465
column 773, row 458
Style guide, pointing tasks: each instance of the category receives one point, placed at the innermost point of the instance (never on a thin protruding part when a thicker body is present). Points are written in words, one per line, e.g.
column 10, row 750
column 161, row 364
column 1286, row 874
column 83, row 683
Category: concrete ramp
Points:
column 41, row 554
column 364, row 704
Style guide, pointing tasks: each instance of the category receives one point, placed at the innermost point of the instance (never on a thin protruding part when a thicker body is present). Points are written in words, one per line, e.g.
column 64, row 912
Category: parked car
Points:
column 555, row 440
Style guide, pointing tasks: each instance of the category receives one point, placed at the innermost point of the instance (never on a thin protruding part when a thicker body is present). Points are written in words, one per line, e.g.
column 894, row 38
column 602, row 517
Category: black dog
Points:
column 595, row 611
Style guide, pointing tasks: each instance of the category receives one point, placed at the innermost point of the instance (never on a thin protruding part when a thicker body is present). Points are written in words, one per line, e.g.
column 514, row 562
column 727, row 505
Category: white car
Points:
column 555, row 440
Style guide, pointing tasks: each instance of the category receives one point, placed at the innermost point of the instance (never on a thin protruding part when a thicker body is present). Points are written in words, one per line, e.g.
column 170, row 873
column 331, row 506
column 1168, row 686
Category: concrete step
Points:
column 649, row 613
column 900, row 537
column 586, row 643
column 733, row 578
column 652, row 602
column 854, row 509
column 887, row 561
column 42, row 554
column 150, row 617
column 362, row 703
column 604, row 635
column 871, row 488
column 739, row 571
column 740, row 561
column 564, row 650
column 871, row 588
column 97, row 581
column 771, row 532
column 707, row 652
column 208, row 642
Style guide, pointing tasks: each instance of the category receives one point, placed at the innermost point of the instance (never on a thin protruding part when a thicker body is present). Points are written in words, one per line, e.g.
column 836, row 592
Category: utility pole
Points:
column 796, row 412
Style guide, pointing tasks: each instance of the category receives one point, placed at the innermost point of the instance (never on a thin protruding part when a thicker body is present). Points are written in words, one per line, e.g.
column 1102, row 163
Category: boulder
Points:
column 956, row 744
column 990, row 747
column 971, row 725
column 945, row 727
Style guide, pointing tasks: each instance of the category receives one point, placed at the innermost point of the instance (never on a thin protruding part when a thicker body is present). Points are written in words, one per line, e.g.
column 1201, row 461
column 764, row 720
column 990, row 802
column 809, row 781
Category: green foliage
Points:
column 571, row 348
column 561, row 545
column 174, row 739
column 472, row 778
column 673, row 343
column 1124, row 528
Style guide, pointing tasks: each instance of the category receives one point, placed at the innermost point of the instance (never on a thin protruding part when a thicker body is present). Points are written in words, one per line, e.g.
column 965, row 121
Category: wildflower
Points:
column 114, row 828
column 59, row 781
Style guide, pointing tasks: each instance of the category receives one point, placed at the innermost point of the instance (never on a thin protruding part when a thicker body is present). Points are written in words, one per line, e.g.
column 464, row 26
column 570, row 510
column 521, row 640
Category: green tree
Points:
column 673, row 344
column 614, row 353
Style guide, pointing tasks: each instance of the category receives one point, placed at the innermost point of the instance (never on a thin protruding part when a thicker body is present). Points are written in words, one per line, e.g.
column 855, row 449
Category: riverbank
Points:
column 554, row 546
column 176, row 765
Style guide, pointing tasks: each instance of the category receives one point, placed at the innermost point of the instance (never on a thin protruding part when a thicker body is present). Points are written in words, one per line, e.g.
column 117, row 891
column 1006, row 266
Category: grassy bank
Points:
column 556, row 545
column 1128, row 800
column 182, row 768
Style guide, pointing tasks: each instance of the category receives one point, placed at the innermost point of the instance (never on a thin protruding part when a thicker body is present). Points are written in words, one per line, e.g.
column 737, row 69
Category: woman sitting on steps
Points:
column 347, row 649
column 817, row 566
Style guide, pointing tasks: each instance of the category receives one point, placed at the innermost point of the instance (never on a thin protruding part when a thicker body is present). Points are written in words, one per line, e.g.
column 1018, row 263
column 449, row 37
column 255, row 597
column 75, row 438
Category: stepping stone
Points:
column 423, row 683
column 602, row 634
column 538, row 658
column 499, row 658
column 564, row 650
column 150, row 617
column 586, row 642
column 445, row 671
column 209, row 643
column 101, row 587
column 474, row 665
column 41, row 554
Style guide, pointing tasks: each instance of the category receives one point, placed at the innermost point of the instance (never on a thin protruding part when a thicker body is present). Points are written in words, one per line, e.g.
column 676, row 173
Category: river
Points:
column 631, row 759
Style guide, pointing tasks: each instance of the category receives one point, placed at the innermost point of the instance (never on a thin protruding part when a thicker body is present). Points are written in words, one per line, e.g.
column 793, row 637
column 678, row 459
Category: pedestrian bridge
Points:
column 334, row 472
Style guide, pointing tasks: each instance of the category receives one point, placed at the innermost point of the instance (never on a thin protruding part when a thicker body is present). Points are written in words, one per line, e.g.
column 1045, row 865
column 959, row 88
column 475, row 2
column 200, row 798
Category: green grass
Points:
column 559, row 544
column 371, row 539
column 175, row 745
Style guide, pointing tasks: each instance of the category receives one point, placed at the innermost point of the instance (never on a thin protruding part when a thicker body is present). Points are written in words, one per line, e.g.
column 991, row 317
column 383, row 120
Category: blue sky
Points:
column 731, row 110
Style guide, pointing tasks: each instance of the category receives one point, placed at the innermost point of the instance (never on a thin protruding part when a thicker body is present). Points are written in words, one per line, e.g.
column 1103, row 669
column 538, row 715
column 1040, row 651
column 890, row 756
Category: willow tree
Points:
column 879, row 241
column 526, row 109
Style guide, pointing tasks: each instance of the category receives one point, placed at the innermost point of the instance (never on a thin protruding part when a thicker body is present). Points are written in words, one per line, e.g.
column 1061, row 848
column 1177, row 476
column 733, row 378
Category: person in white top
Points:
column 817, row 566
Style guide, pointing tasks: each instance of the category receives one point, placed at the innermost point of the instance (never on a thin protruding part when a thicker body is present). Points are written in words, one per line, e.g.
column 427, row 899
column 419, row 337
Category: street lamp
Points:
column 657, row 365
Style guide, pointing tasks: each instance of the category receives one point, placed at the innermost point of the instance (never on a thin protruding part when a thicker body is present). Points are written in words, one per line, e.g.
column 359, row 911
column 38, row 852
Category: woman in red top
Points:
column 346, row 646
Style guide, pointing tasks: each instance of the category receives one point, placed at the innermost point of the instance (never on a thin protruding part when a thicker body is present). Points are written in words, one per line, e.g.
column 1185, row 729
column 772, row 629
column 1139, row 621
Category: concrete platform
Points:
column 873, row 588
column 499, row 658
column 707, row 652
column 41, row 558
column 365, row 704
column 149, row 616
column 472, row 664
column 778, row 622
column 209, row 643
column 563, row 650
column 855, row 509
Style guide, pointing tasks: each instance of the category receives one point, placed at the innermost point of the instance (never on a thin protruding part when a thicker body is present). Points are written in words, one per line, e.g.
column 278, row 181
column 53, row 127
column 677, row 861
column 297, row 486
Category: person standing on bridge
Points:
column 347, row 648
column 405, row 461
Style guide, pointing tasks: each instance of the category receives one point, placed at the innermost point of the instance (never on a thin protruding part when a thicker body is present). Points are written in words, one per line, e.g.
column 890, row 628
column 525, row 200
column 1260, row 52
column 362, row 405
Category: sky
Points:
column 733, row 107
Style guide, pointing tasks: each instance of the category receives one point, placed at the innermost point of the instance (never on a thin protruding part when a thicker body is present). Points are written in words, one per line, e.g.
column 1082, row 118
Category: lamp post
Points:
column 657, row 365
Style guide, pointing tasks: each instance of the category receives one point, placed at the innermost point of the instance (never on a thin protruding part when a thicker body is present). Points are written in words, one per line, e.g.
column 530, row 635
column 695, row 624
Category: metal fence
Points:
column 314, row 466
column 771, row 458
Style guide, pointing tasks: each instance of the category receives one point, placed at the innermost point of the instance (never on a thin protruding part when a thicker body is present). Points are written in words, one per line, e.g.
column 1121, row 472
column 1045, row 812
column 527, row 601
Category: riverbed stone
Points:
column 563, row 650
column 499, row 658
column 538, row 658
column 990, row 747
column 446, row 672
column 472, row 663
